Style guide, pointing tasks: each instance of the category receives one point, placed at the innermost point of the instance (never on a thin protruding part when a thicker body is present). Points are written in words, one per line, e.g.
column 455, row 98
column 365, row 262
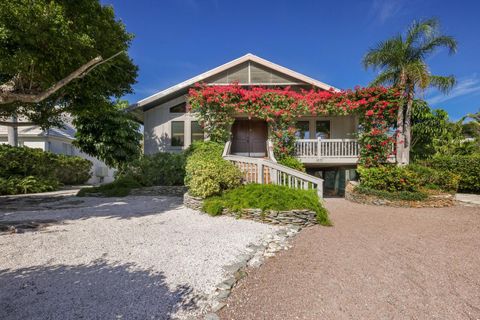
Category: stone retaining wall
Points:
column 433, row 201
column 176, row 191
column 303, row 218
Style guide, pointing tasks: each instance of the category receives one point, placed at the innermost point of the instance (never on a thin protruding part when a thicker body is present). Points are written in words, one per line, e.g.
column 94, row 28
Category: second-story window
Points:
column 303, row 130
column 197, row 131
column 179, row 108
column 322, row 129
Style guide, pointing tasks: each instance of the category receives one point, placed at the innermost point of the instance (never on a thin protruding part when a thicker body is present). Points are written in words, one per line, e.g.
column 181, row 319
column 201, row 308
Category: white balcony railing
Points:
column 327, row 148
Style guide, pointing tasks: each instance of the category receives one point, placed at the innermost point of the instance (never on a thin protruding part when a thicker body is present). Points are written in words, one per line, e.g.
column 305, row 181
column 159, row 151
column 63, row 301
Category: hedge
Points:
column 467, row 167
column 27, row 170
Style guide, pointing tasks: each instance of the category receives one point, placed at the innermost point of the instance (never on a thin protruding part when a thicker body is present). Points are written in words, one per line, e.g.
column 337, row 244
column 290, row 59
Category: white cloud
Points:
column 382, row 10
column 470, row 85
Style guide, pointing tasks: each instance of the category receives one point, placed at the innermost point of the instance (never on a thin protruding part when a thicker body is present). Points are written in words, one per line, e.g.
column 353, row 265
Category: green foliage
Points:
column 393, row 195
column 28, row 184
column 388, row 178
column 207, row 173
column 267, row 197
column 43, row 41
column 434, row 178
column 292, row 162
column 121, row 187
column 467, row 167
column 160, row 169
column 111, row 135
column 37, row 171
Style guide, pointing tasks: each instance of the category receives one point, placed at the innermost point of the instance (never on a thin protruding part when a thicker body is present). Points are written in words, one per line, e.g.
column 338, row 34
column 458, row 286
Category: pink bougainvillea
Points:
column 216, row 107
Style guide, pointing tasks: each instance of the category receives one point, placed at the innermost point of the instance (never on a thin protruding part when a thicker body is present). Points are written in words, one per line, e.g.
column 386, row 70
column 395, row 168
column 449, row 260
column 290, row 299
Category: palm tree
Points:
column 401, row 61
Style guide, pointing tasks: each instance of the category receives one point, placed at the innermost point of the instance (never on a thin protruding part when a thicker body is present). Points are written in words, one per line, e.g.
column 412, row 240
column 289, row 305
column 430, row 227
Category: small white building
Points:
column 59, row 141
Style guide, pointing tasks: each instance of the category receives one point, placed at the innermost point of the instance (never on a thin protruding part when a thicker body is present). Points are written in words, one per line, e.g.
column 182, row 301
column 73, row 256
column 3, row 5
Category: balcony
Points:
column 327, row 151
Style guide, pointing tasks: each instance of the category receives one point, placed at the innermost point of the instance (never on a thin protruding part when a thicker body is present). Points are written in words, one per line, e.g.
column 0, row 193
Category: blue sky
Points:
column 326, row 40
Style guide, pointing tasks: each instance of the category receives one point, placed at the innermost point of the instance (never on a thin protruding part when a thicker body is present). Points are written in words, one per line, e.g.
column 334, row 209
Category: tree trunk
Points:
column 408, row 127
column 400, row 134
column 13, row 132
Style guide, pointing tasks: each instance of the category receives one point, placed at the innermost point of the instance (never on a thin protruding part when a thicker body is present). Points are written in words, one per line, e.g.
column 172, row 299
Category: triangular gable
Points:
column 248, row 70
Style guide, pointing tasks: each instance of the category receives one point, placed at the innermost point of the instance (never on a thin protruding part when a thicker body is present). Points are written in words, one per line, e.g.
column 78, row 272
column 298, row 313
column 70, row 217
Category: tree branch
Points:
column 7, row 97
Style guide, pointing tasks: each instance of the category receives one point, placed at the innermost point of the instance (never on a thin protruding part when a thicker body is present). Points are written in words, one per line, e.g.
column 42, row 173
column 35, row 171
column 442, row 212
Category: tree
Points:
column 111, row 134
column 402, row 63
column 61, row 57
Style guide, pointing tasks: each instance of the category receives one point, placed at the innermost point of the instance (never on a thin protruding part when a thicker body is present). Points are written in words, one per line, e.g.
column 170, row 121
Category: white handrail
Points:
column 270, row 153
column 226, row 149
column 258, row 170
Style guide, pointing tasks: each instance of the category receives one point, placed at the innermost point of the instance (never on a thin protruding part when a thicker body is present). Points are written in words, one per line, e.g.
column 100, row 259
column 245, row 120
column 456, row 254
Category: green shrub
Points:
column 292, row 162
column 207, row 173
column 434, row 178
column 393, row 195
column 267, row 197
column 29, row 184
column 467, row 167
column 72, row 170
column 388, row 178
column 23, row 162
column 160, row 169
column 121, row 187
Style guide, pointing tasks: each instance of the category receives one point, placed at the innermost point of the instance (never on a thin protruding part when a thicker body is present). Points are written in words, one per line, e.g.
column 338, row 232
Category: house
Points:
column 326, row 145
column 59, row 141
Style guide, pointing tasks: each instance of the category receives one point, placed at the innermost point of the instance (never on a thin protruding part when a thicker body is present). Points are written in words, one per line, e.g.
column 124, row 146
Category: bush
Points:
column 72, row 170
column 207, row 173
column 27, row 170
column 389, row 178
column 29, row 184
column 160, row 169
column 292, row 162
column 121, row 187
column 393, row 196
column 267, row 197
column 435, row 179
column 467, row 167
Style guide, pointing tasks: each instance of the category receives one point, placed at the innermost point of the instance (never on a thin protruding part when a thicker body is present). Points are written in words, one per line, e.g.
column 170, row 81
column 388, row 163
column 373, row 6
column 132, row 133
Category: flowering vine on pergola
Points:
column 216, row 107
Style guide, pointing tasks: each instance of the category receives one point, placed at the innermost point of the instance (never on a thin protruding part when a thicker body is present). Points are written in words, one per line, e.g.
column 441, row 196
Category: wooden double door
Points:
column 249, row 138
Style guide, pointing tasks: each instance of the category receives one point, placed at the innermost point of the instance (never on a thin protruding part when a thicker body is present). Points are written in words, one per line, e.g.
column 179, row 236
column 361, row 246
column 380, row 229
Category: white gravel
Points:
column 128, row 258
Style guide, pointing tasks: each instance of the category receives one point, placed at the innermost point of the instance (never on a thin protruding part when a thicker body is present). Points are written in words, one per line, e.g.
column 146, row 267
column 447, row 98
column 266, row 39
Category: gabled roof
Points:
column 161, row 96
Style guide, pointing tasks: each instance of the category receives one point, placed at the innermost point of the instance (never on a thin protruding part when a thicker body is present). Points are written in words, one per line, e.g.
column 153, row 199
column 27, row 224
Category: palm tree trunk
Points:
column 400, row 141
column 408, row 127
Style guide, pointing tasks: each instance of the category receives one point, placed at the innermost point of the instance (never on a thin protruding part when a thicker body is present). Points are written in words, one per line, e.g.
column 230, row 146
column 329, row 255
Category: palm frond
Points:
column 421, row 29
column 388, row 77
column 442, row 83
column 417, row 73
column 437, row 42
column 385, row 54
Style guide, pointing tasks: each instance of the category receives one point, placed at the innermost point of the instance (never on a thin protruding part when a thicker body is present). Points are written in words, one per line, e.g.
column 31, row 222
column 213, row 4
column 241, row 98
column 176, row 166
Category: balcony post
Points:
column 318, row 148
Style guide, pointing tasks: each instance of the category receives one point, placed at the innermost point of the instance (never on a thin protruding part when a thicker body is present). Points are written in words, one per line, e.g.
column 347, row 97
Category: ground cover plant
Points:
column 267, row 197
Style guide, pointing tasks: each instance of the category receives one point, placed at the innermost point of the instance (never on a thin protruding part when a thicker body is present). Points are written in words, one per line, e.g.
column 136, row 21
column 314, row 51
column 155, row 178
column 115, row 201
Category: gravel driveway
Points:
column 374, row 263
column 125, row 258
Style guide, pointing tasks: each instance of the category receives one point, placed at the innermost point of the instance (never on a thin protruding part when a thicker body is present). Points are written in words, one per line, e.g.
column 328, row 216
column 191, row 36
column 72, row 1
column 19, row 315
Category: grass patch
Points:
column 119, row 188
column 267, row 197
column 393, row 195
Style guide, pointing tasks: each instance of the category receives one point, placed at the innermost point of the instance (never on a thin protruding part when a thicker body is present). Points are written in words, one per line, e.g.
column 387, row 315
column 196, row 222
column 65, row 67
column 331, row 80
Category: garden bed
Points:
column 437, row 200
column 263, row 203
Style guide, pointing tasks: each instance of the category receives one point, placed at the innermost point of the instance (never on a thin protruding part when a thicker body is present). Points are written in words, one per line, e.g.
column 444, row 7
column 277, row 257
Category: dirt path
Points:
column 375, row 263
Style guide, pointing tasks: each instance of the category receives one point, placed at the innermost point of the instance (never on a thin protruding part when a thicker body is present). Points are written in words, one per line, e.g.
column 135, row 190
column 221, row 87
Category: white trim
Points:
column 228, row 65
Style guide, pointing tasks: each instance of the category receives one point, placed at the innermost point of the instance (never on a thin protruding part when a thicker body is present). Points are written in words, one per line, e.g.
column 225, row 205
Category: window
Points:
column 303, row 130
column 197, row 131
column 178, row 134
column 322, row 129
column 179, row 108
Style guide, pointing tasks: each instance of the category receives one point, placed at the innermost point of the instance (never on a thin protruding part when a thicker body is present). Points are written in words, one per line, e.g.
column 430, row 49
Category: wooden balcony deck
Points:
column 327, row 151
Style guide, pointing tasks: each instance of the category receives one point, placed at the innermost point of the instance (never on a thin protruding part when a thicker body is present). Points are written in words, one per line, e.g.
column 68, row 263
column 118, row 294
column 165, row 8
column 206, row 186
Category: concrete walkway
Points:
column 468, row 198
column 374, row 263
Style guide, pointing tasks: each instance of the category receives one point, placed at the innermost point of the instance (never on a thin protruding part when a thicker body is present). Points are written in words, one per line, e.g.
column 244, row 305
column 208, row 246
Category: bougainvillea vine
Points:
column 217, row 107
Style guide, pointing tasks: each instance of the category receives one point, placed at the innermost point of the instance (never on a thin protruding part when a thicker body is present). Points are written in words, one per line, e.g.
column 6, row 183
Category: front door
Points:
column 249, row 138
